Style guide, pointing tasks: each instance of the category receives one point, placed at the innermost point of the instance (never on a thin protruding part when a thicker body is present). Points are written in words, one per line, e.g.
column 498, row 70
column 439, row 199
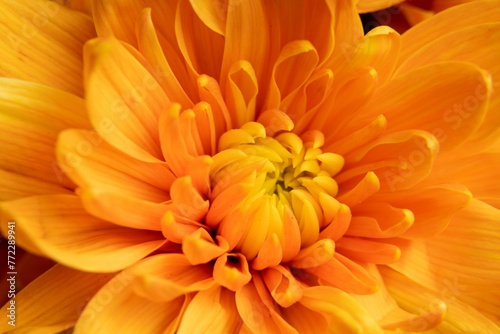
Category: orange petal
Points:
column 258, row 311
column 475, row 171
column 121, row 93
column 270, row 253
column 249, row 22
column 199, row 247
column 31, row 117
column 285, row 81
column 214, row 311
column 368, row 251
column 231, row 271
column 380, row 220
column 213, row 14
column 368, row 186
column 186, row 201
column 462, row 261
column 343, row 313
column 150, row 47
column 175, row 227
column 210, row 91
column 305, row 320
column 400, row 160
column 116, row 306
column 92, row 163
column 453, row 19
column 366, row 6
column 16, row 186
column 195, row 39
column 432, row 207
column 459, row 317
column 43, row 43
column 53, row 300
column 282, row 285
column 339, row 225
column 123, row 210
column 165, row 277
column 241, row 93
column 315, row 255
column 437, row 102
column 347, row 275
column 60, row 228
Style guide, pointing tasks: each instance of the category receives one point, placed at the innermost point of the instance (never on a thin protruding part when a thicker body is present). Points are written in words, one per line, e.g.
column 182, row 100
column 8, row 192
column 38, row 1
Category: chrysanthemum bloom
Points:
column 252, row 167
column 403, row 14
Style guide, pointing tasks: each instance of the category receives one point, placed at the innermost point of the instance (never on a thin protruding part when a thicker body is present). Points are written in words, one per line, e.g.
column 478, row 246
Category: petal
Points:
column 433, row 96
column 43, row 43
column 231, row 271
column 347, row 275
column 213, row 14
column 214, row 311
column 343, row 313
column 366, row 6
column 56, row 298
column 201, row 47
column 399, row 160
column 16, row 186
column 282, row 285
column 475, row 171
column 463, row 260
column 165, row 277
column 94, row 164
column 31, row 117
column 475, row 44
column 432, row 207
column 459, row 317
column 200, row 248
column 247, row 21
column 368, row 251
column 150, row 47
column 453, row 19
column 116, row 307
column 60, row 228
column 124, row 95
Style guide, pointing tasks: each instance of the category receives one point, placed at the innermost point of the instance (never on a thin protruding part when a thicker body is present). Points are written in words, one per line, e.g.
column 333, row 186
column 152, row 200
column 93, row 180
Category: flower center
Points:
column 282, row 192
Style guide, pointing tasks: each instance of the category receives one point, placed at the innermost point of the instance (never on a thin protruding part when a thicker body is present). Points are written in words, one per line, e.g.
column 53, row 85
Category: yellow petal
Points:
column 165, row 277
column 56, row 298
column 213, row 14
column 214, row 311
column 39, row 32
column 122, row 94
column 60, row 228
column 117, row 308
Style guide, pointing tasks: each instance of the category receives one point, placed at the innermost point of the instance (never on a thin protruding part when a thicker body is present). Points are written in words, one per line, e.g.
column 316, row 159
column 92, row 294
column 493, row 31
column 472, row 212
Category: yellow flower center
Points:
column 282, row 192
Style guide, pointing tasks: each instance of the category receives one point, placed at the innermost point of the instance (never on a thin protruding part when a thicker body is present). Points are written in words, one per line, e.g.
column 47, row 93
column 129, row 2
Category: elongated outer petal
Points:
column 122, row 95
column 58, row 227
column 476, row 44
column 15, row 186
column 367, row 6
column 42, row 42
column 53, row 300
column 426, row 98
column 459, row 318
column 215, row 312
column 31, row 116
column 463, row 259
column 116, row 308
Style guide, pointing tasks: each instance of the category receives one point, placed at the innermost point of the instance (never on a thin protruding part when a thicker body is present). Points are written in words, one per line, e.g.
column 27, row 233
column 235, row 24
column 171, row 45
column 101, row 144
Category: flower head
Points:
column 252, row 167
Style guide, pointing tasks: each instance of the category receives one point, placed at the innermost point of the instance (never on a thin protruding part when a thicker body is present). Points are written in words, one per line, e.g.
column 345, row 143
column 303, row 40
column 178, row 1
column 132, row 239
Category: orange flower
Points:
column 251, row 167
